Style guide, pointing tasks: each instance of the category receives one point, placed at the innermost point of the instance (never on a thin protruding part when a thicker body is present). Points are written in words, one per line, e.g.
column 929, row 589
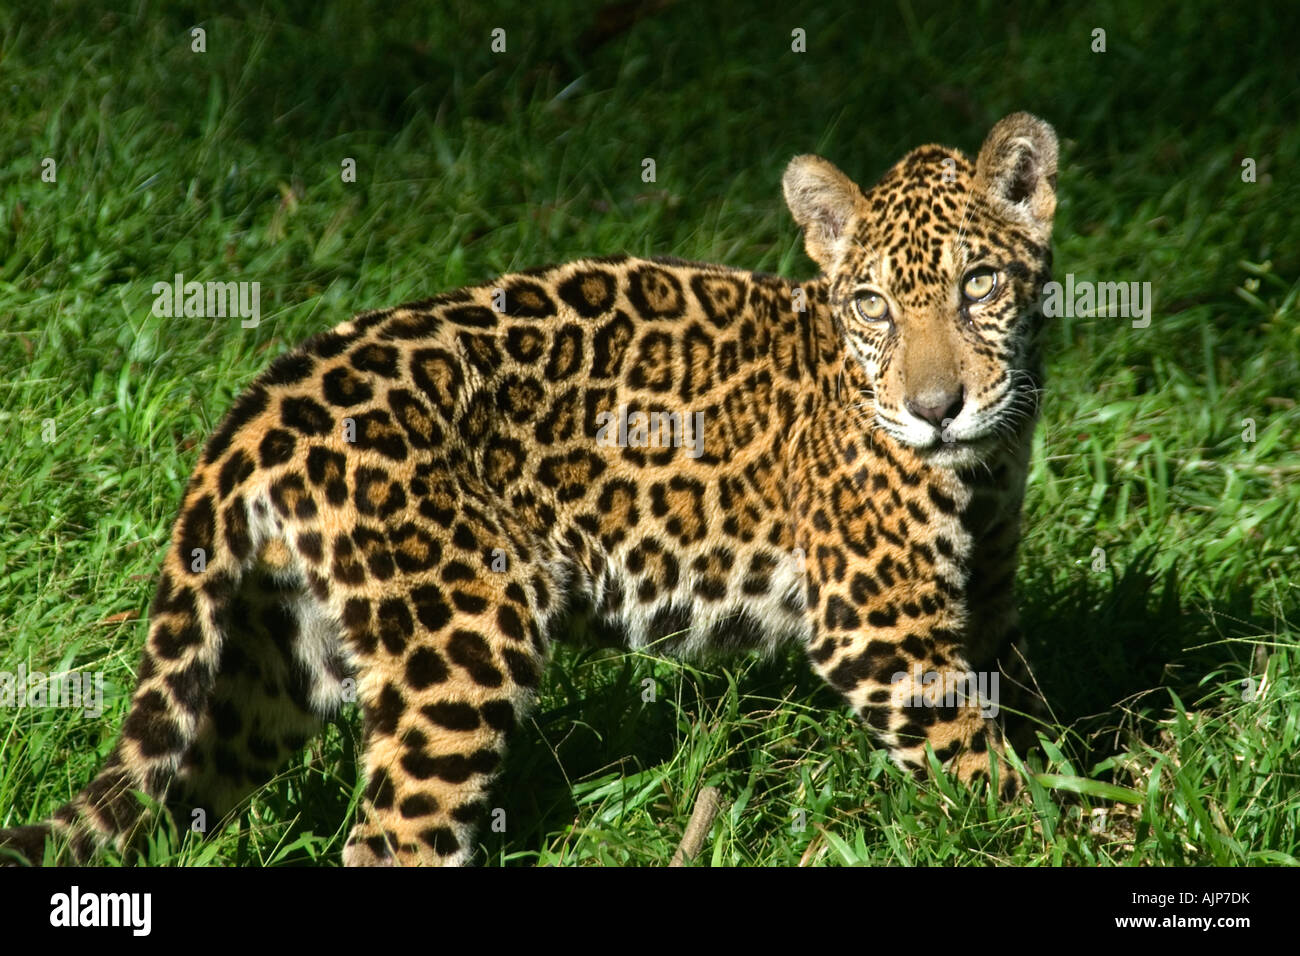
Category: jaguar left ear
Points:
column 1016, row 171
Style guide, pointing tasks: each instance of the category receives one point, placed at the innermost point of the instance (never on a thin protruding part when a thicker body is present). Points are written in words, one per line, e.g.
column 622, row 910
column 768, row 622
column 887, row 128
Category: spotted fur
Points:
column 411, row 503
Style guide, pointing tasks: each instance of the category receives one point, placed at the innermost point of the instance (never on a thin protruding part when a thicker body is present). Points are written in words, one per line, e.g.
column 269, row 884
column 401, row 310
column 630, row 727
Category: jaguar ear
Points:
column 822, row 200
column 1016, row 171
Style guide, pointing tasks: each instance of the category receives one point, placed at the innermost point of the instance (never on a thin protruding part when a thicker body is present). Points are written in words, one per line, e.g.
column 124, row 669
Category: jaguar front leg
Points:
column 889, row 639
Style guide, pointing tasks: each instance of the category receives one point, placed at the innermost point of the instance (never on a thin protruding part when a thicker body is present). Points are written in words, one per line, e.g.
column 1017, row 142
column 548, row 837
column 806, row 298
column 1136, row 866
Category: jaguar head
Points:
column 934, row 278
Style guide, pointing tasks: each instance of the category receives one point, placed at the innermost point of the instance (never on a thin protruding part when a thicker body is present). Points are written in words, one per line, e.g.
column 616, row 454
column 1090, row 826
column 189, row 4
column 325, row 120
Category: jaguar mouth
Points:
column 960, row 442
column 958, row 452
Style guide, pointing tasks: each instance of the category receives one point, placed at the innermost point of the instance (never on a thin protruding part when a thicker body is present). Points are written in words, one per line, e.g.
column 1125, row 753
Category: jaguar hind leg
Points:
column 237, row 669
column 448, row 665
column 282, row 671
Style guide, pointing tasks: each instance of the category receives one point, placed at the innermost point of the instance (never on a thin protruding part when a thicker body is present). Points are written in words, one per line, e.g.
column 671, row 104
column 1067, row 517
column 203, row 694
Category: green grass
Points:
column 226, row 165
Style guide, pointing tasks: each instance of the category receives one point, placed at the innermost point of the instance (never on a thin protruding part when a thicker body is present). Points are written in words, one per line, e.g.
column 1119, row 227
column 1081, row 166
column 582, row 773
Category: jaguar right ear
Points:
column 1016, row 171
column 822, row 200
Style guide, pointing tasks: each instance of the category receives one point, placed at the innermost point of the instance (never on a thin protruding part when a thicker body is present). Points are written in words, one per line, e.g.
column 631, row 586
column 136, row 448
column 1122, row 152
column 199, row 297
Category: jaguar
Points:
column 407, row 509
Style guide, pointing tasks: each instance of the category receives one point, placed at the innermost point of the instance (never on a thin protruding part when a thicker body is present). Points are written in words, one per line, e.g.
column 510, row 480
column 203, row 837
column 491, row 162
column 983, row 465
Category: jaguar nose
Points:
column 936, row 407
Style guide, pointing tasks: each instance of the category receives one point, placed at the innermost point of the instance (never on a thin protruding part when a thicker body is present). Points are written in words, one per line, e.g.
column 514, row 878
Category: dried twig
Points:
column 707, row 805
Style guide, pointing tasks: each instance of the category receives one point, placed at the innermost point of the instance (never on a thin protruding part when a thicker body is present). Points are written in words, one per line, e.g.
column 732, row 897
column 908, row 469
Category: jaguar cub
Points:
column 407, row 507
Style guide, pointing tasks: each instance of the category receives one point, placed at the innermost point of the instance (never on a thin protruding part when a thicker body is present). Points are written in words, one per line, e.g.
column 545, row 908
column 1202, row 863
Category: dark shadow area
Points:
column 1108, row 648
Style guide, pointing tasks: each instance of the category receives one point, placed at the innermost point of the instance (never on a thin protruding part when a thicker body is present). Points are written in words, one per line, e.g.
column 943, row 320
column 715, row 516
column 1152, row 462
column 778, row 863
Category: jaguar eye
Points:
column 871, row 306
column 979, row 284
